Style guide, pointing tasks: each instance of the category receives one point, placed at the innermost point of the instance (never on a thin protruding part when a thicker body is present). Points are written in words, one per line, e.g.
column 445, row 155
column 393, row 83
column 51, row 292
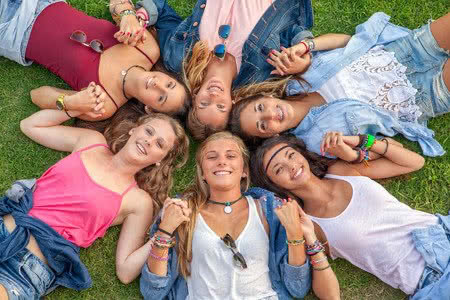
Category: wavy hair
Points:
column 317, row 164
column 155, row 180
column 197, row 195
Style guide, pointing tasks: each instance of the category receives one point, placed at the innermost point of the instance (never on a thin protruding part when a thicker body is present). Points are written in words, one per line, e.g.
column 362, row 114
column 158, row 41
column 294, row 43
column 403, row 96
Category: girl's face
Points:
column 222, row 165
column 288, row 168
column 160, row 92
column 150, row 142
column 213, row 103
column 266, row 117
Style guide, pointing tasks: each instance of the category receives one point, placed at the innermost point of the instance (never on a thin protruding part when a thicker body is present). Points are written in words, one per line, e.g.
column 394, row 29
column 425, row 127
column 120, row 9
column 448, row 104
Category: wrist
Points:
column 310, row 238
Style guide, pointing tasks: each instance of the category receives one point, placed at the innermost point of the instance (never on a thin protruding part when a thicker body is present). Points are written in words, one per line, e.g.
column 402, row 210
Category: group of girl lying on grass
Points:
column 314, row 195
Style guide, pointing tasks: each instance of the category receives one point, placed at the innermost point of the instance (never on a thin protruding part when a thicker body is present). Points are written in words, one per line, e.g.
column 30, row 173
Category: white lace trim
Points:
column 384, row 84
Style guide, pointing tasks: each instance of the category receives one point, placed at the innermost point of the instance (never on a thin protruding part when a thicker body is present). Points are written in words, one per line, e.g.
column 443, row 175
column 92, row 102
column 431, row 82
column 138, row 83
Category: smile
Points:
column 280, row 113
column 215, row 86
column 299, row 172
column 221, row 173
column 141, row 149
column 150, row 82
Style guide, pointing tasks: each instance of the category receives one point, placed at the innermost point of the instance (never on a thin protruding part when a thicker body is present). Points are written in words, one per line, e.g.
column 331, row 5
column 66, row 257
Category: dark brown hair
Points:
column 317, row 164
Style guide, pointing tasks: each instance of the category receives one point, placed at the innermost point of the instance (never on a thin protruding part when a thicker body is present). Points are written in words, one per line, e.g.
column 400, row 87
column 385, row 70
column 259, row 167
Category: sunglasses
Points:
column 238, row 259
column 220, row 49
column 80, row 37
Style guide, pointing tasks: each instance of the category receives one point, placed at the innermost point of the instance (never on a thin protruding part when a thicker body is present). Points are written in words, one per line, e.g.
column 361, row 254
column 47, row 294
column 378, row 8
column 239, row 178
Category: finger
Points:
column 285, row 60
column 335, row 139
column 274, row 72
column 185, row 219
column 301, row 212
column 98, row 91
column 99, row 106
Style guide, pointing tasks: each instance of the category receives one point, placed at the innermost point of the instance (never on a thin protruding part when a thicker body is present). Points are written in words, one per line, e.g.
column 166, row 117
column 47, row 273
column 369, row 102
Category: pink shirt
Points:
column 242, row 15
column 72, row 203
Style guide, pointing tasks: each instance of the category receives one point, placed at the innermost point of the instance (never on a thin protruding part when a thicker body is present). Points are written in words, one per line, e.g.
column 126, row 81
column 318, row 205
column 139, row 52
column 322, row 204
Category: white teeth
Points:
column 299, row 172
column 141, row 149
column 280, row 114
column 215, row 89
column 220, row 173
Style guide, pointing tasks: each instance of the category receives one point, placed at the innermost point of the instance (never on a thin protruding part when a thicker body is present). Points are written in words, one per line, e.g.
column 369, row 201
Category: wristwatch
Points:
column 310, row 43
column 60, row 102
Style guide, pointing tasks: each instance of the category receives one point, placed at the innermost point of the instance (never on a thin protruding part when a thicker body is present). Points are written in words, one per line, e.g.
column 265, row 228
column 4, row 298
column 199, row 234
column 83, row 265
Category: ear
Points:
column 131, row 131
column 148, row 110
column 244, row 174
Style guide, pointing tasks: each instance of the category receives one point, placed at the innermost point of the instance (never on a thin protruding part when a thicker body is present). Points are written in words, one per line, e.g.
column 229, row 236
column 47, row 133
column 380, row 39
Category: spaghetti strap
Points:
column 143, row 53
column 91, row 146
column 112, row 99
column 132, row 185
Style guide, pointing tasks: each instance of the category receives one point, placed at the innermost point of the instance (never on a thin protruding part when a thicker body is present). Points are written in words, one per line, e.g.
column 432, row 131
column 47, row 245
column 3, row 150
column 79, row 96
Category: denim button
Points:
column 195, row 24
column 184, row 35
column 202, row 6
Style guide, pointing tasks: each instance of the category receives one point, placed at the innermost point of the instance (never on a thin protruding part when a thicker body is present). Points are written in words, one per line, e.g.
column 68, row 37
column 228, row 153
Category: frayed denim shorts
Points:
column 24, row 275
column 425, row 61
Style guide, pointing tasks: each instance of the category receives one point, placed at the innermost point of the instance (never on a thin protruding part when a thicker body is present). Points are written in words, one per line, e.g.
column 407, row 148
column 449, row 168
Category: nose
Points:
column 221, row 161
column 269, row 114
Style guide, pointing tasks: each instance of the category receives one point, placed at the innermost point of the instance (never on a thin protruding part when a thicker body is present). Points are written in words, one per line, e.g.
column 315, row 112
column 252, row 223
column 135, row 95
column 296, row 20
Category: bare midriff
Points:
column 32, row 246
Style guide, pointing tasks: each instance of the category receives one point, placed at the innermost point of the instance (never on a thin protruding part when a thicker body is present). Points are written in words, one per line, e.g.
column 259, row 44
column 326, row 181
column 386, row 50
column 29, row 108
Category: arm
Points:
column 393, row 162
column 89, row 102
column 44, row 127
column 132, row 30
column 132, row 252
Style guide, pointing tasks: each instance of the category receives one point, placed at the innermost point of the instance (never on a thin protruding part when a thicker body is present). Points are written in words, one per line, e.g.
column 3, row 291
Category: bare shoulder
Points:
column 140, row 201
column 89, row 137
column 342, row 168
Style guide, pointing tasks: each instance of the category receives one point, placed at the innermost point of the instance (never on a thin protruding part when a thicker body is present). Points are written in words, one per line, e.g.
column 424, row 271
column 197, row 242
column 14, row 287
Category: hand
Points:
column 177, row 201
column 131, row 31
column 174, row 216
column 289, row 216
column 306, row 224
column 89, row 101
column 334, row 143
column 289, row 61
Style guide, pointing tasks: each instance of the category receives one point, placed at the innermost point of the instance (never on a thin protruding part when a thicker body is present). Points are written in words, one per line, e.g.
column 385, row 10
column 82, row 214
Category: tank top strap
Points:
column 112, row 99
column 91, row 146
column 132, row 185
column 143, row 53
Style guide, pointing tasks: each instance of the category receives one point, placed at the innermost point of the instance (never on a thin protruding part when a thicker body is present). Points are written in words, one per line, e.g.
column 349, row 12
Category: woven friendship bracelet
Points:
column 295, row 242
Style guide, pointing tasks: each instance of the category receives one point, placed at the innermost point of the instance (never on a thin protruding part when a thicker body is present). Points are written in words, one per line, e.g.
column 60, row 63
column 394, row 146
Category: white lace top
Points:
column 376, row 78
column 214, row 275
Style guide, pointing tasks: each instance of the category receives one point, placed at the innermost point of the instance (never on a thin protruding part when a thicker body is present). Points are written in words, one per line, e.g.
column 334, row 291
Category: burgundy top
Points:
column 50, row 44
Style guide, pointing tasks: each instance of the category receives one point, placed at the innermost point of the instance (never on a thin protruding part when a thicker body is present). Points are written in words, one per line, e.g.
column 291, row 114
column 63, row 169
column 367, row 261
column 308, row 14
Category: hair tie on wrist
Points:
column 165, row 231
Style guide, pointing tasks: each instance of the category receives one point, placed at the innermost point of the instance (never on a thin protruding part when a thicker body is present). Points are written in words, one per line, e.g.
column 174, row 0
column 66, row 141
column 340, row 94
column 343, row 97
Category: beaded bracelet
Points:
column 315, row 262
column 387, row 146
column 127, row 12
column 315, row 248
column 321, row 269
column 162, row 242
column 295, row 242
column 157, row 257
column 306, row 46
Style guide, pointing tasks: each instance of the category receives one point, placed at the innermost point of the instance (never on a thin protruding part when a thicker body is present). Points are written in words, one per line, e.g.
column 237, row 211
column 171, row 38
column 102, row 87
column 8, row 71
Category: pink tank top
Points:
column 242, row 16
column 69, row 201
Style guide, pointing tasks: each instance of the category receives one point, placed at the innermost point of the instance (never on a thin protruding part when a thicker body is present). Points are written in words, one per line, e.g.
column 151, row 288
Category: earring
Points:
column 158, row 164
column 130, row 132
column 233, row 102
column 147, row 109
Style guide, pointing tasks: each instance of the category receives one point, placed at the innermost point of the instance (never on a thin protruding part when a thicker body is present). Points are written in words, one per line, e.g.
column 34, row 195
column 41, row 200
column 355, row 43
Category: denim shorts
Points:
column 16, row 21
column 24, row 275
column 424, row 60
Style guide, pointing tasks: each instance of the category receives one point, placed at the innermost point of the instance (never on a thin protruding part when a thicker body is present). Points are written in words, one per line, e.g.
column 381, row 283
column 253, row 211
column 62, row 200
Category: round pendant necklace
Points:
column 227, row 209
column 124, row 74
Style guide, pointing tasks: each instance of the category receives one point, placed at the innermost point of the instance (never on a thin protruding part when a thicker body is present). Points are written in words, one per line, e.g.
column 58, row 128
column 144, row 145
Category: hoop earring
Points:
column 158, row 164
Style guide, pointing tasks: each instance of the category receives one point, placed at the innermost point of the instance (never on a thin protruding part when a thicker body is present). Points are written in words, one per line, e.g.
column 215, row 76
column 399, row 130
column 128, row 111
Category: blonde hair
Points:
column 197, row 195
column 156, row 180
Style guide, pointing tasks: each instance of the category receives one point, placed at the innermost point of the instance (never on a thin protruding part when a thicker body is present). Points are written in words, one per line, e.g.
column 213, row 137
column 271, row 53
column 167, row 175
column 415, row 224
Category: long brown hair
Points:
column 197, row 195
column 155, row 180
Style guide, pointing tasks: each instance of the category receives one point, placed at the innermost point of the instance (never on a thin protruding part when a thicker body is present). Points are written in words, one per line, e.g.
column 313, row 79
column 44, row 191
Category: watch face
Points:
column 59, row 104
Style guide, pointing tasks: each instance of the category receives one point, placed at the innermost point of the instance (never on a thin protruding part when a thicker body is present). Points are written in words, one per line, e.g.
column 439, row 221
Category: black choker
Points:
column 124, row 73
column 227, row 209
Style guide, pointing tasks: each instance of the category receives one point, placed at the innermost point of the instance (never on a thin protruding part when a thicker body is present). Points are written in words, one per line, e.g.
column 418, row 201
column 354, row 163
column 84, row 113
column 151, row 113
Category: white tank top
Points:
column 213, row 272
column 374, row 234
column 376, row 78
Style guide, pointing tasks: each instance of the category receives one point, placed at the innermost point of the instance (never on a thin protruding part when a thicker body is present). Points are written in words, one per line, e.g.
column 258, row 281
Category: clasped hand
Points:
column 131, row 31
column 89, row 101
column 294, row 219
column 289, row 61
column 174, row 213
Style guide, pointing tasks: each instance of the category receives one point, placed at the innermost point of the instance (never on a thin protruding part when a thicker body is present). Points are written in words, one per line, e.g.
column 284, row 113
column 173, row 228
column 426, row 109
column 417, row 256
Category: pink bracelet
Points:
column 157, row 257
column 306, row 46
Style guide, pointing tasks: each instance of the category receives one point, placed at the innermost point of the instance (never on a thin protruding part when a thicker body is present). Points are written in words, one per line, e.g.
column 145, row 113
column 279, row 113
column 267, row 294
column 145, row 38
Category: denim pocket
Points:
column 39, row 276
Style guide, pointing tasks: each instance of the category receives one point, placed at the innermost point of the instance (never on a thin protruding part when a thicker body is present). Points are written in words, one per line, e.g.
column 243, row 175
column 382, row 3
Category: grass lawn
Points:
column 427, row 189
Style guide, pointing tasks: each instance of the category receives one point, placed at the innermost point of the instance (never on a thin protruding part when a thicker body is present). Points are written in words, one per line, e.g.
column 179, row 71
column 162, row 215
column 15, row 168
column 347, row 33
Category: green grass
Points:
column 427, row 190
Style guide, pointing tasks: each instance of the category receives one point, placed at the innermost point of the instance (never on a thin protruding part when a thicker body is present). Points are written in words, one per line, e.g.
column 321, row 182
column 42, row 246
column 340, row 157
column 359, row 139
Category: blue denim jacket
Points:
column 283, row 24
column 352, row 117
column 326, row 64
column 287, row 281
column 62, row 256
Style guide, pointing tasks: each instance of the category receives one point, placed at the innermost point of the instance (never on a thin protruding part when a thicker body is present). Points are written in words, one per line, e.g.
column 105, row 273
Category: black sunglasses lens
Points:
column 78, row 36
column 97, row 46
column 240, row 260
column 224, row 31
